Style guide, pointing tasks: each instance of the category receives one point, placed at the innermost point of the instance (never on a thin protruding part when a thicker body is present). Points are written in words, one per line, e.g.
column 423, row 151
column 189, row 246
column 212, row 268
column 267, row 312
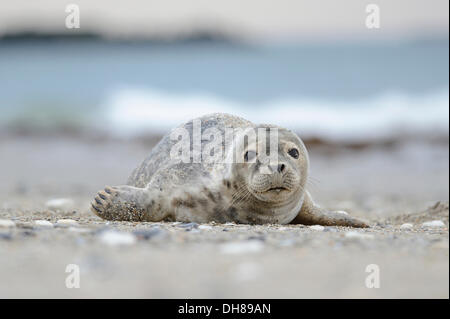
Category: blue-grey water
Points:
column 69, row 80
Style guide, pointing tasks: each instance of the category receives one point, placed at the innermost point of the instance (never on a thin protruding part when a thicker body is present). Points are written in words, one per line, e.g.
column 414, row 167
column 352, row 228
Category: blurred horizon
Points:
column 253, row 20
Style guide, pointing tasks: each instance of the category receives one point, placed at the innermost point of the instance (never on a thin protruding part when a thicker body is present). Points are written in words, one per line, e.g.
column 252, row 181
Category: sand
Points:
column 386, row 185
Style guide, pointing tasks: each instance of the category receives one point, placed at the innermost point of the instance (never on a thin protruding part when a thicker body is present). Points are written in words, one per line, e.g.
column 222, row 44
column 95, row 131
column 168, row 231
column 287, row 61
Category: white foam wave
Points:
column 134, row 111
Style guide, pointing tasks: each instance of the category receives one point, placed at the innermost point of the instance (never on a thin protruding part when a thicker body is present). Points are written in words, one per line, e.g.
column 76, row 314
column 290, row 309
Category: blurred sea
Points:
column 333, row 91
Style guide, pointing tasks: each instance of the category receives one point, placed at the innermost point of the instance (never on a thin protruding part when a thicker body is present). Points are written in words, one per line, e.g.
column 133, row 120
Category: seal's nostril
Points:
column 281, row 168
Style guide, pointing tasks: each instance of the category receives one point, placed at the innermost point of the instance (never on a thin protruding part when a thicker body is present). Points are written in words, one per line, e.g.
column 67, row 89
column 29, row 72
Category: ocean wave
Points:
column 138, row 111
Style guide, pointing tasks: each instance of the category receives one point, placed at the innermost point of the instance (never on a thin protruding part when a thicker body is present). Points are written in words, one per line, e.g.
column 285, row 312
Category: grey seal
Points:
column 235, row 181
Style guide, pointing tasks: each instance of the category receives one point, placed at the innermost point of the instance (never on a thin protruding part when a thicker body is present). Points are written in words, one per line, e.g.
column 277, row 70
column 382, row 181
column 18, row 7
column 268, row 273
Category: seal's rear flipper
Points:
column 311, row 214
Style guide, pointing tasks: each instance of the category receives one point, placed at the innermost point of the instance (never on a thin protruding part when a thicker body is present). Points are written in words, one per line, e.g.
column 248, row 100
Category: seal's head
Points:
column 273, row 170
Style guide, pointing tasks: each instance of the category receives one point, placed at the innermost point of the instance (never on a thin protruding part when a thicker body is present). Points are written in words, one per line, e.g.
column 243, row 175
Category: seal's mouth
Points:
column 275, row 195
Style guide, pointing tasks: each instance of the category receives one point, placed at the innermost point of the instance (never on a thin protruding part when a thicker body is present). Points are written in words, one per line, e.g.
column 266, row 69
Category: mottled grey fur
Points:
column 162, row 188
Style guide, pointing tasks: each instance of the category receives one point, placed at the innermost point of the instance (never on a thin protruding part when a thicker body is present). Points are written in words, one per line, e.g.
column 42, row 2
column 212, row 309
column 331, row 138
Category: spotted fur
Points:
column 164, row 189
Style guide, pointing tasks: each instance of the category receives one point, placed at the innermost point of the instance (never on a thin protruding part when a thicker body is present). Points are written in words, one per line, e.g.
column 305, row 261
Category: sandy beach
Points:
column 388, row 185
column 89, row 88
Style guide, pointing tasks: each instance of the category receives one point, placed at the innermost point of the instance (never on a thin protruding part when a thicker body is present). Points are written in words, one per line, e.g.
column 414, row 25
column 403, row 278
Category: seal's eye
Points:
column 293, row 152
column 249, row 155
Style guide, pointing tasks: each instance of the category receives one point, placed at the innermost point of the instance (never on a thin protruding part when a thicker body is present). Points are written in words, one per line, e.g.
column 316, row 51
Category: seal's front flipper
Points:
column 127, row 203
column 311, row 214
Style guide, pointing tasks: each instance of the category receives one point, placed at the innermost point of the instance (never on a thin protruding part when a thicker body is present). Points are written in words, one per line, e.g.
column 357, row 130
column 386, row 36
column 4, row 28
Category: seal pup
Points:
column 230, row 180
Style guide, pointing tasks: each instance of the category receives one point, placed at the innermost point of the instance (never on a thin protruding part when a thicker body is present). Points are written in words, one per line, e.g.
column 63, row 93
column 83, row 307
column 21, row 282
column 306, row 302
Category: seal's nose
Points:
column 277, row 168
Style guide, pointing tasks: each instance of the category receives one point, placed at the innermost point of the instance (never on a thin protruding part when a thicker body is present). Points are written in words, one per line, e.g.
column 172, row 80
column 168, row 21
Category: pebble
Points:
column 43, row 223
column 176, row 223
column 145, row 234
column 115, row 238
column 188, row 226
column 28, row 233
column 257, row 237
column 355, row 234
column 406, row 226
column 66, row 222
column 205, row 227
column 341, row 212
column 252, row 246
column 60, row 204
column 230, row 224
column 6, row 223
column 24, row 225
column 434, row 224
column 317, row 227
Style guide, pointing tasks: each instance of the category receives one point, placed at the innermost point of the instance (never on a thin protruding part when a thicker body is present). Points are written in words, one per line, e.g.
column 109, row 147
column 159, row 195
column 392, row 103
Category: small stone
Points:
column 205, row 227
column 406, row 226
column 257, row 237
column 24, row 225
column 341, row 212
column 66, row 222
column 252, row 246
column 6, row 223
column 115, row 238
column 434, row 224
column 317, row 227
column 145, row 234
column 188, row 226
column 28, row 233
column 355, row 234
column 43, row 223
column 60, row 204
